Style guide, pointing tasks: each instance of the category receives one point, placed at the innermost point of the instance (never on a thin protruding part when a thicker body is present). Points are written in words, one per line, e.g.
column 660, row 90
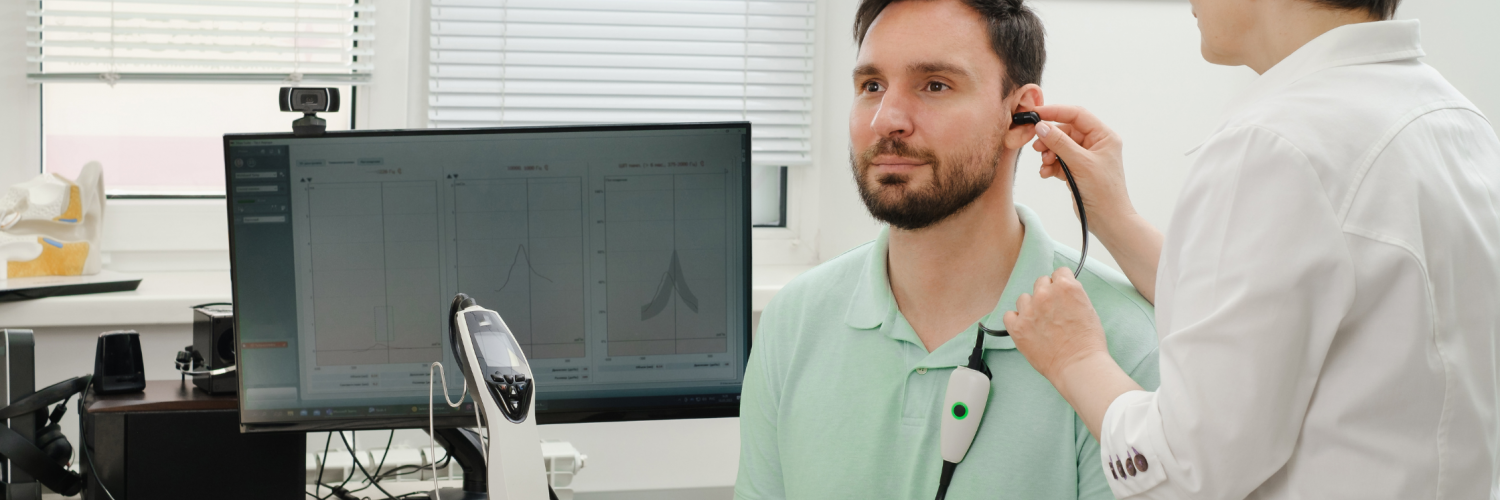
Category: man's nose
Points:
column 893, row 118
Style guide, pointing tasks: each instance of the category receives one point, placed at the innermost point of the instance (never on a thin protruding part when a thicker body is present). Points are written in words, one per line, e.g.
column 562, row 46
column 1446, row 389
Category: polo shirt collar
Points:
column 1347, row 45
column 873, row 303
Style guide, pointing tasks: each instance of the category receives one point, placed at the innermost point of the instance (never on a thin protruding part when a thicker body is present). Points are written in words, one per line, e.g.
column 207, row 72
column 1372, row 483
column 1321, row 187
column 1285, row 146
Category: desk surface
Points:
column 161, row 395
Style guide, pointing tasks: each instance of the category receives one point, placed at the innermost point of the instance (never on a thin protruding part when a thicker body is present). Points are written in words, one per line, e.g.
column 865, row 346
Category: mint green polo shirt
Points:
column 841, row 400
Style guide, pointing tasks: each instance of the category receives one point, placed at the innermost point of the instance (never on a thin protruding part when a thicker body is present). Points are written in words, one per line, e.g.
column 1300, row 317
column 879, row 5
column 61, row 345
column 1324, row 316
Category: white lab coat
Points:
column 1328, row 292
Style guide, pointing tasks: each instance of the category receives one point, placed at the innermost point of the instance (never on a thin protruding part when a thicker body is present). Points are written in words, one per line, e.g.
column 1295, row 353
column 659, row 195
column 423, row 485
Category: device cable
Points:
column 337, row 491
column 378, row 467
column 318, row 481
column 1031, row 117
column 976, row 358
column 362, row 466
column 431, row 426
column 83, row 448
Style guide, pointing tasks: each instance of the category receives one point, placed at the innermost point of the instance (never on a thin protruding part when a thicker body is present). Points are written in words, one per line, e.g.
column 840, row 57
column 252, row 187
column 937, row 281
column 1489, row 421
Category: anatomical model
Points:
column 50, row 226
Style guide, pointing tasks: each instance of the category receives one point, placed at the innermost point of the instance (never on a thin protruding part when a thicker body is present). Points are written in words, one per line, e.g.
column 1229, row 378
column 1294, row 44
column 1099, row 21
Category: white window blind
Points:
column 548, row 62
column 306, row 41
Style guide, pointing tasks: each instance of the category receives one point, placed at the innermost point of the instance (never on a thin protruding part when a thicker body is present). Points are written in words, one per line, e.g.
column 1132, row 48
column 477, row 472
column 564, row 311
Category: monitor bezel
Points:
column 603, row 413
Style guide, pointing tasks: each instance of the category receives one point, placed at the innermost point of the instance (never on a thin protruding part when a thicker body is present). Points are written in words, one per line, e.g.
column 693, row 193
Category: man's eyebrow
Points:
column 939, row 67
column 865, row 70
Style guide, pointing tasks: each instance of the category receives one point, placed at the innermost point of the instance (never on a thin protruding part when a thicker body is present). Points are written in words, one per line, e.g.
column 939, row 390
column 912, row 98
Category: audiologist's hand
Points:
column 1056, row 328
column 1055, row 325
column 1093, row 154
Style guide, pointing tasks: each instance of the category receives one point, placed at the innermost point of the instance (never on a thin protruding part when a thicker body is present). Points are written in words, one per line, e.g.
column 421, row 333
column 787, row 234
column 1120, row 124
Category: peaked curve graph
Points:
column 665, row 268
column 521, row 251
column 519, row 248
column 671, row 281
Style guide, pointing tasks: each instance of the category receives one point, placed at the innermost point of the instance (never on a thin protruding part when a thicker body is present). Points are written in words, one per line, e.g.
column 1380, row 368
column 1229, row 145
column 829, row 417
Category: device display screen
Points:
column 618, row 257
column 493, row 342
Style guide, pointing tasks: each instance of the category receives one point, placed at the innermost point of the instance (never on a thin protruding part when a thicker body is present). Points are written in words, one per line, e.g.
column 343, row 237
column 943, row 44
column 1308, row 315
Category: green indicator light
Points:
column 960, row 410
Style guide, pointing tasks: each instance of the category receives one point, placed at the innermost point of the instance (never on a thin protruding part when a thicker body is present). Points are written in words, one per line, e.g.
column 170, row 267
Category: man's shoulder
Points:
column 839, row 275
column 1129, row 319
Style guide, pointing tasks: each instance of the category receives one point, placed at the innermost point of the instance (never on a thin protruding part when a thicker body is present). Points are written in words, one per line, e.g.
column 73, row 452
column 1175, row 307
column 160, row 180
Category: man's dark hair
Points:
column 1016, row 35
column 1380, row 9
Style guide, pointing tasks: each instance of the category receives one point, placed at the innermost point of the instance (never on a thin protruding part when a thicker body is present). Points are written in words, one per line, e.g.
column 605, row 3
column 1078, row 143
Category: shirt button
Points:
column 921, row 371
column 1140, row 462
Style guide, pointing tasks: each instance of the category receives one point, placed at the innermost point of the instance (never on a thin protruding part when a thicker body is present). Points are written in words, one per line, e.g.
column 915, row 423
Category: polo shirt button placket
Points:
column 921, row 371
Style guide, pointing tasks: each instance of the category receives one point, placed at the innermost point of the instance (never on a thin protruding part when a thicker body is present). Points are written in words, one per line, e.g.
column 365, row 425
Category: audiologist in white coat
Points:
column 1328, row 293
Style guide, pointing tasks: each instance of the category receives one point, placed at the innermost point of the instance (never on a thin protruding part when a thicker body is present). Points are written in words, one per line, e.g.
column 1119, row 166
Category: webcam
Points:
column 309, row 101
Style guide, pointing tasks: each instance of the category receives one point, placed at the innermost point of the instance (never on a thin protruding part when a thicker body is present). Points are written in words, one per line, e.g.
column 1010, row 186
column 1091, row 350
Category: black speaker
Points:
column 213, row 339
column 117, row 363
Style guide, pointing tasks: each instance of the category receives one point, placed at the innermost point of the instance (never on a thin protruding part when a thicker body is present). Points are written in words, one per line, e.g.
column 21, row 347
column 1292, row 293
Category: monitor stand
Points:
column 464, row 446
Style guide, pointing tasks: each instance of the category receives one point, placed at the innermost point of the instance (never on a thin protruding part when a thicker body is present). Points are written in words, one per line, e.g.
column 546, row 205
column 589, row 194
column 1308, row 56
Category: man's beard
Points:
column 956, row 182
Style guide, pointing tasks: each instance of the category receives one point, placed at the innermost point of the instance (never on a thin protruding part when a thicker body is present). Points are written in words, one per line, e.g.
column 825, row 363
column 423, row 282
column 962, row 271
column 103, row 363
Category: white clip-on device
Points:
column 496, row 372
column 969, row 386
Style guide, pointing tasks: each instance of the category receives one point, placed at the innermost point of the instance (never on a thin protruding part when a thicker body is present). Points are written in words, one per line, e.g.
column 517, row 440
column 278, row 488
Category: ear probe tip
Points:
column 1025, row 118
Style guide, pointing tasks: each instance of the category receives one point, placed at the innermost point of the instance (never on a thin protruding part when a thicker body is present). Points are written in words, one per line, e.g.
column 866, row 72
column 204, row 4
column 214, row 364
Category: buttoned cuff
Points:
column 1131, row 446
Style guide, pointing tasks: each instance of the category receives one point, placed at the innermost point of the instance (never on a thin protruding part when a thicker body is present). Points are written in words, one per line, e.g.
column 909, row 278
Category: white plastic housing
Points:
column 972, row 390
column 516, row 468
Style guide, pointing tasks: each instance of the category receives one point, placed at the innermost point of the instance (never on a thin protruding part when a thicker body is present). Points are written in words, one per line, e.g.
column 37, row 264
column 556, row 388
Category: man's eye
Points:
column 872, row 87
column 936, row 86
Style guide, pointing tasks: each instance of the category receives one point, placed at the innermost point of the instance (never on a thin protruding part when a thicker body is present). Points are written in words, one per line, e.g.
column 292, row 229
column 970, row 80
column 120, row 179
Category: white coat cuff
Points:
column 1132, row 451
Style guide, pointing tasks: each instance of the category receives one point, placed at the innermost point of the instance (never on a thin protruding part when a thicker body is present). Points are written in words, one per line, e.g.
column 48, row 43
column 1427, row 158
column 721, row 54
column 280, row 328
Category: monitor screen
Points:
column 618, row 256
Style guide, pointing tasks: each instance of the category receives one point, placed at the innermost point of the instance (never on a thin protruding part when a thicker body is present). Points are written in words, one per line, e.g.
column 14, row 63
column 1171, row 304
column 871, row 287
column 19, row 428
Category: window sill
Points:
column 164, row 298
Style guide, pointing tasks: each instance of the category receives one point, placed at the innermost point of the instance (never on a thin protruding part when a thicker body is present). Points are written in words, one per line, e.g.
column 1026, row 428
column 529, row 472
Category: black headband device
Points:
column 46, row 456
column 969, row 386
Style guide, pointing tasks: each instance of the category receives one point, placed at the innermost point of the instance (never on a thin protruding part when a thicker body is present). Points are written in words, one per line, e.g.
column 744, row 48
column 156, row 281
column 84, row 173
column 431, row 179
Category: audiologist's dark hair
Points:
column 1016, row 35
column 1380, row 9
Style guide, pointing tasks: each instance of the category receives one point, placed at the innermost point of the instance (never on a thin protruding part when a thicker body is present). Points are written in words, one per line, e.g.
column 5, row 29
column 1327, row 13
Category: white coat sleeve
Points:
column 1259, row 280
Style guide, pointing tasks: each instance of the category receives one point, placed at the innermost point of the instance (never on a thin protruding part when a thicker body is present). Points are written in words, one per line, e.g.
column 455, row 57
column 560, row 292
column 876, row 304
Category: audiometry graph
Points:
column 666, row 274
column 375, row 271
column 519, row 250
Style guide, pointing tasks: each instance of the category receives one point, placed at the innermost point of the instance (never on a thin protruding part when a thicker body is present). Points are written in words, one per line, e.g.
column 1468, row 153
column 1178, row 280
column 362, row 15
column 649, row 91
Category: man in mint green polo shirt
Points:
column 844, row 391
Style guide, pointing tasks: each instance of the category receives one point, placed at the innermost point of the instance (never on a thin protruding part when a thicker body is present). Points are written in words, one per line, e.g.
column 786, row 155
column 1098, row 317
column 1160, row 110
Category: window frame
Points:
column 395, row 97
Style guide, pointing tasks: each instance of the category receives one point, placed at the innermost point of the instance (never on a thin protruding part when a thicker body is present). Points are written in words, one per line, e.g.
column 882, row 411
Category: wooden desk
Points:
column 161, row 395
column 175, row 441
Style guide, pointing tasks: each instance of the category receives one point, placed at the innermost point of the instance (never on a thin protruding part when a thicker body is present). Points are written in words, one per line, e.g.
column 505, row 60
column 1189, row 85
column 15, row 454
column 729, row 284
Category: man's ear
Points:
column 1026, row 98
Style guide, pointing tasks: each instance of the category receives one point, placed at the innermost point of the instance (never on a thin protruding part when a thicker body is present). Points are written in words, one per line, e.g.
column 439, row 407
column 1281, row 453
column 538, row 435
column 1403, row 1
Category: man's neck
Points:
column 951, row 274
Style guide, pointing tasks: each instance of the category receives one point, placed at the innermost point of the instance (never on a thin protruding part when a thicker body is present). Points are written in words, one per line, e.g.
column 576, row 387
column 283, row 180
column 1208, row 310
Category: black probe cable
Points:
column 1083, row 253
column 976, row 358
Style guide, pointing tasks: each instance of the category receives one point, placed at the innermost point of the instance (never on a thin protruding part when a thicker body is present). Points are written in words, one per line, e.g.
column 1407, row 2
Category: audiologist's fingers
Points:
column 1076, row 116
column 1059, row 143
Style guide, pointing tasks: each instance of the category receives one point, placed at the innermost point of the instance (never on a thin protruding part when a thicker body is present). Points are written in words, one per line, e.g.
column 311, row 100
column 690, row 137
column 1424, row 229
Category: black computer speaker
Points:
column 117, row 363
column 213, row 338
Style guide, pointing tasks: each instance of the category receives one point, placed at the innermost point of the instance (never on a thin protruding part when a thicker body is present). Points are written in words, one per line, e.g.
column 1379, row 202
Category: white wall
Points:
column 1136, row 64
column 19, row 123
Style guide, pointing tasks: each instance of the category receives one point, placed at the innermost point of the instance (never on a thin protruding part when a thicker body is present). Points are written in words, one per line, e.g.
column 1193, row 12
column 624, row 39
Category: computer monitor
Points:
column 618, row 255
